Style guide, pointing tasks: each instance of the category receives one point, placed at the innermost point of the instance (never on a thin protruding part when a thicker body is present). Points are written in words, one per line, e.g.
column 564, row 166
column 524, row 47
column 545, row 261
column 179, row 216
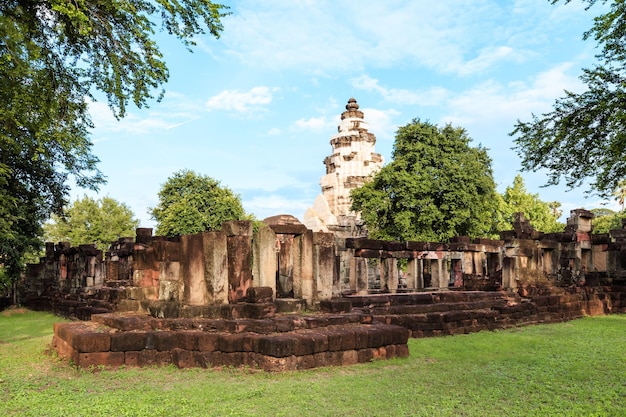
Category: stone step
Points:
column 95, row 344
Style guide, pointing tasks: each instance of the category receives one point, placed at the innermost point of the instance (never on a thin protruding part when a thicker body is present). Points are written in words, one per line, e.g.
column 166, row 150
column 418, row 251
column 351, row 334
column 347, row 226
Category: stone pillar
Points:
column 509, row 273
column 343, row 265
column 303, row 268
column 440, row 276
column 389, row 269
column 204, row 268
column 323, row 265
column 358, row 275
column 216, row 267
column 264, row 262
column 414, row 278
column 192, row 257
column 239, row 246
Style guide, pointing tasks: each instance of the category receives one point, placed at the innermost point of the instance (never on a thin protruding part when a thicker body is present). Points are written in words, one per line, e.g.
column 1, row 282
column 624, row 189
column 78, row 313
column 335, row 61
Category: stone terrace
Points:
column 276, row 344
column 350, row 330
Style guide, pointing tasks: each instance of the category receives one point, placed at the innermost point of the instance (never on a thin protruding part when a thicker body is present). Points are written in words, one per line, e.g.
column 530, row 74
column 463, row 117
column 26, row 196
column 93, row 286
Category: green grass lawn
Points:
column 570, row 369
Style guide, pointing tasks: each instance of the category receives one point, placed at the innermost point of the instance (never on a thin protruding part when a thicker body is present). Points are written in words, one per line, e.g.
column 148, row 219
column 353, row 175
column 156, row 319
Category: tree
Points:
column 193, row 203
column 436, row 187
column 584, row 136
column 620, row 193
column 542, row 216
column 606, row 220
column 53, row 55
column 87, row 220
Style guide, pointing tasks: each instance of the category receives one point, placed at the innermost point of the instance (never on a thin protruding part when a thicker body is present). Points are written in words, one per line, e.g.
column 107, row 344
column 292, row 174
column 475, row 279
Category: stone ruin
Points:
column 237, row 296
column 287, row 295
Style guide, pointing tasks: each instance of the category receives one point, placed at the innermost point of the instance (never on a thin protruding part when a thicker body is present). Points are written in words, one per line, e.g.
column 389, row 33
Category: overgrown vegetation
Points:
column 569, row 369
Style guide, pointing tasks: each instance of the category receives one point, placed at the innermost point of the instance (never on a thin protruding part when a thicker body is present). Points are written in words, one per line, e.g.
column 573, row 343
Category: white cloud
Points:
column 487, row 58
column 246, row 101
column 274, row 132
column 174, row 111
column 381, row 122
column 274, row 204
column 316, row 124
column 430, row 97
column 325, row 37
column 493, row 102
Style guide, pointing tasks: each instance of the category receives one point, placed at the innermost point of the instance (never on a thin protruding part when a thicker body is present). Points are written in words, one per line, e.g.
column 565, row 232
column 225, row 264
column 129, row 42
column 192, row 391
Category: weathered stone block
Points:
column 129, row 341
column 365, row 355
column 305, row 362
column 88, row 341
column 349, row 357
column 278, row 346
column 303, row 345
column 231, row 342
column 106, row 359
column 259, row 295
column 182, row 358
column 188, row 340
column 165, row 341
column 273, row 364
column 336, row 306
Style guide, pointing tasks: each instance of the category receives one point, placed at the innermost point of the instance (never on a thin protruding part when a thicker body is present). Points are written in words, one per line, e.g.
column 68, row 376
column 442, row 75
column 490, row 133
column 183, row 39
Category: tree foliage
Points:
column 606, row 220
column 193, row 203
column 87, row 220
column 53, row 55
column 584, row 136
column 543, row 216
column 436, row 187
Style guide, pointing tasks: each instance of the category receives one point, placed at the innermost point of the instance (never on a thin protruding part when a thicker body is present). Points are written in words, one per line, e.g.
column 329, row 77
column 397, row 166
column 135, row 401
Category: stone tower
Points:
column 351, row 163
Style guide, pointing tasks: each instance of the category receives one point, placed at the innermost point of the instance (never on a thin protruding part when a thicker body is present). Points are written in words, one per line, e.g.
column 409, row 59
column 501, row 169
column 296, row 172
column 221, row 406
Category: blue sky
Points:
column 256, row 108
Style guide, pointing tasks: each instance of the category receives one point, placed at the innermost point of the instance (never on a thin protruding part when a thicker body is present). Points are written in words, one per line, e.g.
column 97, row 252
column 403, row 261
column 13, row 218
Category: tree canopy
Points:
column 606, row 220
column 87, row 220
column 193, row 203
column 543, row 216
column 437, row 186
column 54, row 54
column 584, row 136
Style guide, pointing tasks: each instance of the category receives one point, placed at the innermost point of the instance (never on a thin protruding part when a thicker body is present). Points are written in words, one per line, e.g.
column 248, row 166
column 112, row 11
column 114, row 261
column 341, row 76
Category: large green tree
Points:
column 193, row 203
column 437, row 186
column 584, row 136
column 54, row 54
column 542, row 215
column 88, row 220
column 606, row 220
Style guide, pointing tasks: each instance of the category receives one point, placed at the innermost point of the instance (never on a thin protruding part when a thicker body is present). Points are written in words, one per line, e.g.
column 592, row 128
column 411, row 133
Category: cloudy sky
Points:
column 256, row 108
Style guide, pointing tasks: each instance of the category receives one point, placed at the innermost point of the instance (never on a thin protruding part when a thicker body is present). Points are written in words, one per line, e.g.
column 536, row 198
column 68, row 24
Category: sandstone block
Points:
column 129, row 341
column 165, row 341
column 208, row 342
column 182, row 358
column 107, row 359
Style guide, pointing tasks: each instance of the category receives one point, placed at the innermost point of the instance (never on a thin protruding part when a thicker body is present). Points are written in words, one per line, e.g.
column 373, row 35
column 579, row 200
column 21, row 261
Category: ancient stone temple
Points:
column 351, row 163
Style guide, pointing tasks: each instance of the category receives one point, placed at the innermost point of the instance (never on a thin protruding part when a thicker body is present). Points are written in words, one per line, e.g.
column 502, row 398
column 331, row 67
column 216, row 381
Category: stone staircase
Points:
column 284, row 343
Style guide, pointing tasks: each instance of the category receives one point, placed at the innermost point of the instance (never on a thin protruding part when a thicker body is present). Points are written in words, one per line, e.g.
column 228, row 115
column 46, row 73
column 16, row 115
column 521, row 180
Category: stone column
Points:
column 216, row 267
column 192, row 268
column 264, row 262
column 239, row 246
column 323, row 265
column 358, row 275
column 509, row 273
column 389, row 268
column 414, row 278
column 303, row 268
column 204, row 268
column 440, row 276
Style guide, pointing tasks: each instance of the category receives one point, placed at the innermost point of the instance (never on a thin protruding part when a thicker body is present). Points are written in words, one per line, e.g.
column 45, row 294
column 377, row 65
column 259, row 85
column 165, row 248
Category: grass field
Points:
column 570, row 369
